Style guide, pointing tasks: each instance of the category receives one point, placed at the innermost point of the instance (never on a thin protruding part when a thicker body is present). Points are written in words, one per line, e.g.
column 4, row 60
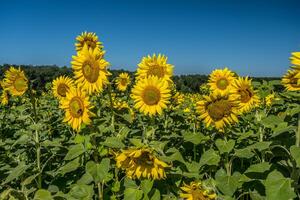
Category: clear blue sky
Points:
column 253, row 37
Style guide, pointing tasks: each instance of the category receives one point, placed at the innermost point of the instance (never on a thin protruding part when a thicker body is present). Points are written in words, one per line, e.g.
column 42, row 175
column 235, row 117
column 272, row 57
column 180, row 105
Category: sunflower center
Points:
column 197, row 194
column 145, row 159
column 246, row 95
column 20, row 84
column 90, row 72
column 294, row 82
column 62, row 89
column 76, row 107
column 151, row 95
column 123, row 81
column 156, row 71
column 218, row 109
column 222, row 83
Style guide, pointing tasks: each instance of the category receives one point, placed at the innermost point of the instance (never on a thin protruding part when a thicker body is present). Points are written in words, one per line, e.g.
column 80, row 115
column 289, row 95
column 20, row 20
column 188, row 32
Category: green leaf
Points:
column 16, row 172
column 260, row 146
column 81, row 192
column 42, row 195
column 209, row 157
column 74, row 151
column 227, row 184
column 69, row 167
column 279, row 130
column 176, row 155
column 114, row 142
column 258, row 168
column 195, row 138
column 225, row 146
column 155, row 195
column 244, row 153
column 132, row 193
column 136, row 142
column 278, row 187
column 271, row 121
column 99, row 172
column 146, row 186
column 295, row 152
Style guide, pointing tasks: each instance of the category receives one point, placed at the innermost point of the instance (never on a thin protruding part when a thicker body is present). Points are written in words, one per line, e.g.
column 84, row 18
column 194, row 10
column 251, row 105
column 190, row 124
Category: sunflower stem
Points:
column 298, row 132
column 100, row 191
column 111, row 106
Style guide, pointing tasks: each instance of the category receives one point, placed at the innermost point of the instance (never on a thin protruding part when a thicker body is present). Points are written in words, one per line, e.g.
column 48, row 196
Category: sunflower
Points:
column 218, row 110
column 122, row 81
column 77, row 108
column 269, row 99
column 155, row 66
column 195, row 191
column 295, row 60
column 221, row 80
column 290, row 80
column 246, row 95
column 151, row 95
column 90, row 69
column 141, row 163
column 88, row 38
column 4, row 98
column 15, row 81
column 61, row 86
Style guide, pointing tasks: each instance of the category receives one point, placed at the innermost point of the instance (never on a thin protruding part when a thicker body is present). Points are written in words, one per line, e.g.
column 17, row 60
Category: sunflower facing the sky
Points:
column 15, row 82
column 77, row 108
column 290, row 80
column 155, row 66
column 151, row 95
column 88, row 38
column 221, row 80
column 195, row 191
column 246, row 95
column 122, row 81
column 218, row 110
column 61, row 86
column 90, row 70
column 141, row 163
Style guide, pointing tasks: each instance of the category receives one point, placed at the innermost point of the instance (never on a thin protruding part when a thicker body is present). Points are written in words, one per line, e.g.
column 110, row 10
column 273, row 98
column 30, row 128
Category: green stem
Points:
column 111, row 105
column 298, row 132
column 194, row 147
column 261, row 138
column 100, row 191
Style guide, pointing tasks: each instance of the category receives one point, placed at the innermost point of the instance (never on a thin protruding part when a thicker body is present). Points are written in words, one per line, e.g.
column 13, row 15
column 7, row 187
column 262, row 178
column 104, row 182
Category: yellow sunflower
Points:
column 90, row 70
column 269, row 99
column 15, row 81
column 61, row 86
column 290, row 80
column 221, row 80
column 195, row 191
column 151, row 95
column 218, row 110
column 77, row 108
column 141, row 163
column 88, row 38
column 122, row 81
column 246, row 95
column 4, row 98
column 295, row 60
column 155, row 66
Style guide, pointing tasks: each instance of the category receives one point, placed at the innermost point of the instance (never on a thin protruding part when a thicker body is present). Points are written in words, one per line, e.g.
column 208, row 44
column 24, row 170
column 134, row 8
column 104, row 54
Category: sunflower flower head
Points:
column 122, row 81
column 218, row 110
column 90, row 70
column 196, row 191
column 246, row 95
column 141, row 163
column 151, row 95
column 291, row 80
column 155, row 66
column 295, row 60
column 15, row 82
column 77, row 108
column 221, row 80
column 88, row 38
column 62, row 85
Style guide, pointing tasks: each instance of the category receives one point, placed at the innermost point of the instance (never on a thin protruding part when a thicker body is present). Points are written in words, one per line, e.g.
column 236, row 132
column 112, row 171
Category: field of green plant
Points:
column 136, row 138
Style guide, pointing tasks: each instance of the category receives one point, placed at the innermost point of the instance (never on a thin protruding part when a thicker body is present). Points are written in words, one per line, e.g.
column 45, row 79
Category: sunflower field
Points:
column 89, row 136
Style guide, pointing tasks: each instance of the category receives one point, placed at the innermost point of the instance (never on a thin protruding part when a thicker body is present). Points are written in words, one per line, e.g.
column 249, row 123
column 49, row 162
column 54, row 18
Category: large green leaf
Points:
column 146, row 186
column 114, row 142
column 132, row 193
column 74, row 151
column 227, row 184
column 16, row 172
column 98, row 171
column 81, row 192
column 210, row 157
column 225, row 146
column 195, row 138
column 278, row 187
column 42, row 195
column 295, row 152
column 258, row 168
column 69, row 167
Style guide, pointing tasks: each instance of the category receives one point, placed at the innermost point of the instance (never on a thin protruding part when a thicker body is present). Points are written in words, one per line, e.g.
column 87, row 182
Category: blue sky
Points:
column 250, row 37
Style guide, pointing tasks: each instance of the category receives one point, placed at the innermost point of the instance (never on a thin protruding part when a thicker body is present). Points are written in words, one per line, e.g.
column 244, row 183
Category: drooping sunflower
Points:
column 151, row 95
column 141, row 163
column 290, row 80
column 195, row 191
column 88, row 38
column 218, row 110
column 90, row 70
column 221, row 80
column 61, row 85
column 77, row 108
column 246, row 95
column 122, row 81
column 155, row 66
column 15, row 82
